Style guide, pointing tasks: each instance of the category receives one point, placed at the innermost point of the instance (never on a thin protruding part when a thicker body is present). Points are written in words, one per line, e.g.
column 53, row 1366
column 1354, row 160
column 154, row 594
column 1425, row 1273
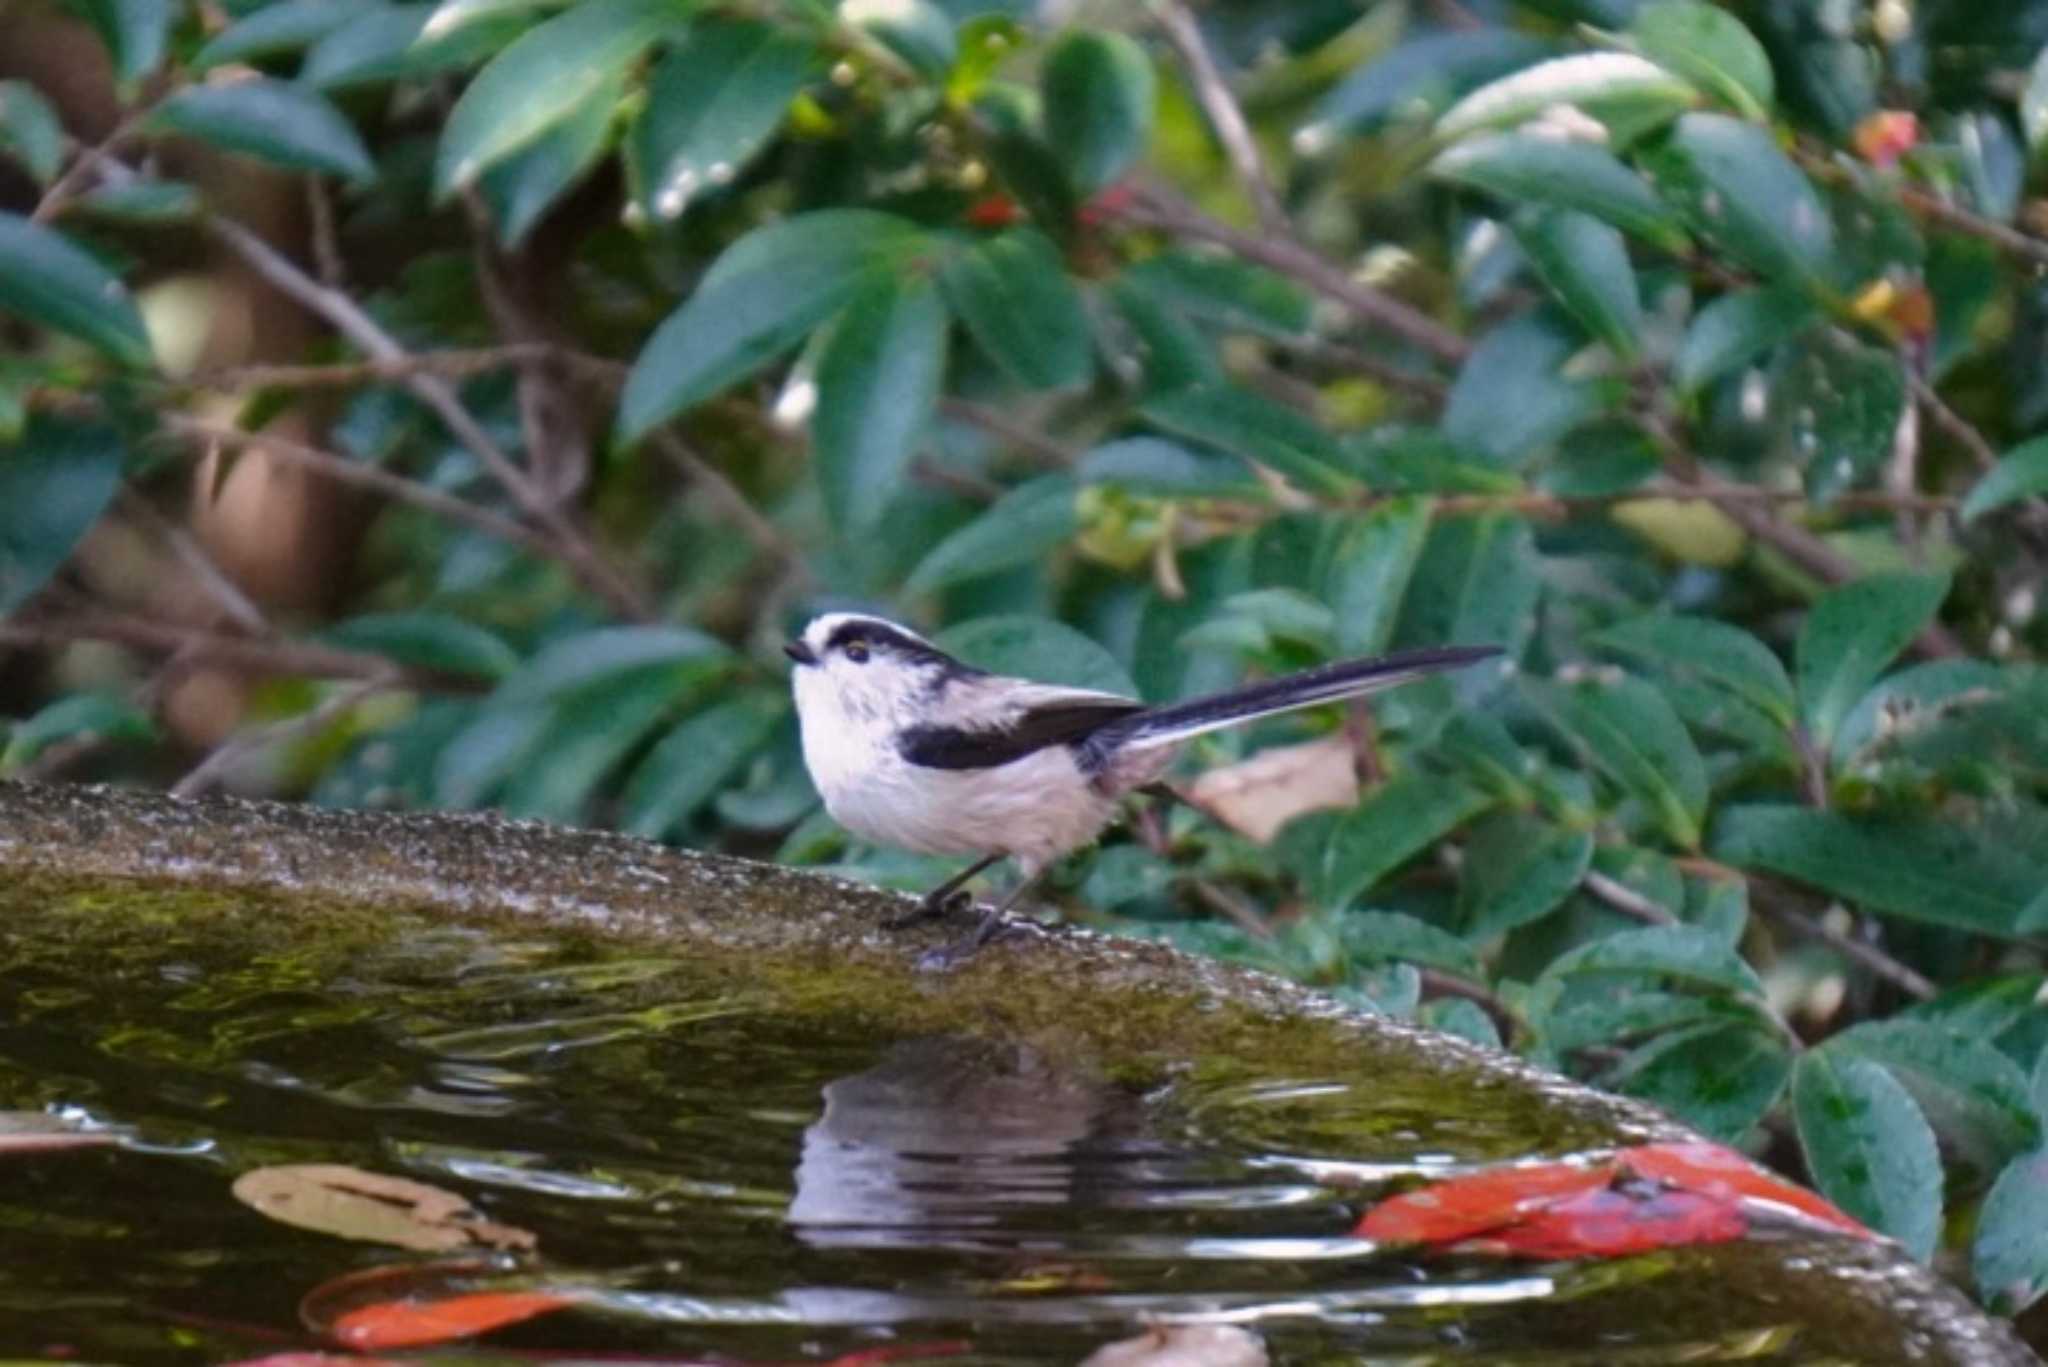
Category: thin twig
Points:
column 734, row 504
column 1626, row 899
column 1161, row 209
column 1437, row 983
column 455, row 364
column 1959, row 428
column 87, row 163
column 272, row 657
column 207, row 773
column 211, row 578
column 327, row 258
column 1225, row 115
column 1220, row 899
column 1849, row 947
column 1048, row 451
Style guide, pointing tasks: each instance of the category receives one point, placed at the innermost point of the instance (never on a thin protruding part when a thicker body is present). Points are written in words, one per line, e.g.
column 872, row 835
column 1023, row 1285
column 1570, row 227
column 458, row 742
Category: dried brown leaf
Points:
column 1260, row 795
column 337, row 1199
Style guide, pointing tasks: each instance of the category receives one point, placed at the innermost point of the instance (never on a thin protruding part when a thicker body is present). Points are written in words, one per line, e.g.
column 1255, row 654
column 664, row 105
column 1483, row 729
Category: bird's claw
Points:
column 931, row 908
column 947, row 957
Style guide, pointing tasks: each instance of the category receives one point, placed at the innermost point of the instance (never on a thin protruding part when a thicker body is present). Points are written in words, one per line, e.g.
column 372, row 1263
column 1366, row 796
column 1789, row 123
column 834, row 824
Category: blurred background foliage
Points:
column 453, row 403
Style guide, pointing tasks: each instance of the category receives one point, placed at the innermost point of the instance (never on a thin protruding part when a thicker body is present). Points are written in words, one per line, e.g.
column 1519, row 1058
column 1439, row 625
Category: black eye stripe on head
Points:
column 879, row 635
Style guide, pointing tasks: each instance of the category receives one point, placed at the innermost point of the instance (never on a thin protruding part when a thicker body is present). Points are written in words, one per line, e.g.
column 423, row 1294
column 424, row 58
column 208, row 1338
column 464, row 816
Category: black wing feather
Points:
column 1063, row 723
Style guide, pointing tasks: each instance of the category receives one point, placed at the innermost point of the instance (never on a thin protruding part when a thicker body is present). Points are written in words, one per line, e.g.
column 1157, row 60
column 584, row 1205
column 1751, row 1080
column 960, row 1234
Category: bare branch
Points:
column 1225, row 116
column 272, row 657
column 1849, row 947
column 210, row 577
column 734, row 504
column 205, row 775
column 1047, row 451
column 1626, row 900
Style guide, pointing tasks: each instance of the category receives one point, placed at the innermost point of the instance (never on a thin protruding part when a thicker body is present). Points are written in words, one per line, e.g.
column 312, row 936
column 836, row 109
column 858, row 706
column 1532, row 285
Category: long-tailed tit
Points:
column 912, row 748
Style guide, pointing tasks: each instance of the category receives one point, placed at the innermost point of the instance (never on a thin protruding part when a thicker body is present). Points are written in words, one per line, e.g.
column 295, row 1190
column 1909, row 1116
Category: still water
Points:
column 714, row 1175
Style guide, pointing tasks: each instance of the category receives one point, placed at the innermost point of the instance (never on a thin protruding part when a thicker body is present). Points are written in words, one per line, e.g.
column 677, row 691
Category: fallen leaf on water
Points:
column 1183, row 1345
column 414, row 1324
column 1258, row 796
column 1718, row 1171
column 1631, row 1216
column 1476, row 1203
column 39, row 1132
column 336, row 1199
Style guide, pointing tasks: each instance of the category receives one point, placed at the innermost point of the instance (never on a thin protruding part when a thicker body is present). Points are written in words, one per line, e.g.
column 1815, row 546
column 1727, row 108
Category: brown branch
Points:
column 211, row 578
column 1162, row 210
column 734, row 504
column 1626, row 899
column 208, row 772
column 1047, row 451
column 1225, row 115
column 1233, row 907
column 1869, row 956
column 1934, row 209
column 272, row 657
column 1959, row 428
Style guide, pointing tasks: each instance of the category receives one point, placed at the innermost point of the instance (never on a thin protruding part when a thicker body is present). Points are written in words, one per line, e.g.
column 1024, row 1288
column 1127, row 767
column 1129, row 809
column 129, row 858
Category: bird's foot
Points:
column 947, row 957
column 935, row 906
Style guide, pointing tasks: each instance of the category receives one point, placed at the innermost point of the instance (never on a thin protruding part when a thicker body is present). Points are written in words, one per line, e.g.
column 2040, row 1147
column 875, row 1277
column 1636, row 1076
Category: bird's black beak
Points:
column 801, row 653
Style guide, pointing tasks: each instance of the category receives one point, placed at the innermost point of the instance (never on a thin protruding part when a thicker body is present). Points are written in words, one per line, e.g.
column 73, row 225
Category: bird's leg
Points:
column 940, row 900
column 991, row 927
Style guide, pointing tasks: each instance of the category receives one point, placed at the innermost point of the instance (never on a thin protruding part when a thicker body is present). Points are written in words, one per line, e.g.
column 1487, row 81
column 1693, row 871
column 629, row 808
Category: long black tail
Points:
column 1176, row 722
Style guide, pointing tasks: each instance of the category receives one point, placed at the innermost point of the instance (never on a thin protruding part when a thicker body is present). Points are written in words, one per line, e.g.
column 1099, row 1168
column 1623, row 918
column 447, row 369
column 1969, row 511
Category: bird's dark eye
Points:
column 857, row 651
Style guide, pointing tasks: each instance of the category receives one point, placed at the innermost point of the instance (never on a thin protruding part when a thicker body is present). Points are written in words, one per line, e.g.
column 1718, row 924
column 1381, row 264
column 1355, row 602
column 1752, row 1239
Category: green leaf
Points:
column 878, row 383
column 712, row 104
column 1585, row 264
column 290, row 26
column 1627, row 729
column 2010, row 1254
column 602, row 657
column 29, row 132
column 1020, row 528
column 2034, row 103
column 1418, row 78
column 1369, row 571
column 84, row 717
column 1518, row 869
column 918, row 31
column 1225, row 292
column 272, row 121
column 1975, row 1097
column 1741, row 192
column 427, row 640
column 452, row 15
column 1837, row 410
column 1922, row 868
column 693, row 762
column 1022, row 309
column 1036, row 648
column 2020, row 473
column 1618, row 88
column 1474, row 587
column 1869, row 1149
column 760, row 299
column 1718, row 1078
column 1373, row 936
column 1726, row 655
column 1154, row 467
column 1710, row 47
column 1098, row 91
column 397, row 43
column 1236, row 420
column 1465, row 1019
column 1636, row 1015
column 1524, row 169
column 542, row 78
column 142, row 201
column 1736, row 329
column 45, row 279
column 54, row 484
column 1849, row 638
column 524, row 186
column 136, row 32
column 1400, row 820
column 1913, row 700
column 1512, row 397
column 585, row 739
column 1682, row 954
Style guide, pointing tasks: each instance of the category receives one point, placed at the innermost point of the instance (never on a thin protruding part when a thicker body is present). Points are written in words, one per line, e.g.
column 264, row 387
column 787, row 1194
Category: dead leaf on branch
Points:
column 334, row 1198
column 1258, row 796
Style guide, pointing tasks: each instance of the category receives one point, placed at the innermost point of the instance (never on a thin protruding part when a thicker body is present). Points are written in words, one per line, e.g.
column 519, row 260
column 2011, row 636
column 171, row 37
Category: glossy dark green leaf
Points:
column 1683, row 955
column 83, row 718
column 1020, row 306
column 713, row 104
column 1020, row 528
column 1624, row 91
column 1724, row 654
column 1736, row 329
column 1869, row 1149
column 2010, row 1253
column 1512, row 397
column 1225, row 292
column 1719, row 1078
column 1633, row 1017
column 141, row 201
column 1157, row 468
column 30, row 135
column 1234, row 419
column 46, row 280
column 452, row 15
column 542, row 78
column 1369, row 571
column 2020, row 473
column 1920, row 867
column 1524, row 169
column 2034, row 103
column 524, row 186
column 1849, row 638
column 1377, row 935
column 1629, row 732
column 1742, row 192
column 1398, row 821
column 601, row 657
column 768, row 291
column 918, row 31
column 136, row 32
column 1915, row 700
column 54, row 484
column 1422, row 75
column 427, row 640
column 1710, row 47
column 1518, row 869
column 1149, row 335
column 1036, row 648
column 693, row 762
column 1584, row 263
column 1837, row 406
column 1098, row 90
column 1473, row 587
column 585, row 740
column 290, row 26
column 380, row 44
column 878, row 384
column 272, row 121
column 1465, row 1019
column 1975, row 1097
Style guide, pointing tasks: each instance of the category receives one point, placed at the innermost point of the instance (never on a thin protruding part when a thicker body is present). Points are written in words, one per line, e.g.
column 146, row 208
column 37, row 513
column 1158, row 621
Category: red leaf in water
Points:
column 1713, row 1170
column 1475, row 1203
column 411, row 1324
column 1616, row 1221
